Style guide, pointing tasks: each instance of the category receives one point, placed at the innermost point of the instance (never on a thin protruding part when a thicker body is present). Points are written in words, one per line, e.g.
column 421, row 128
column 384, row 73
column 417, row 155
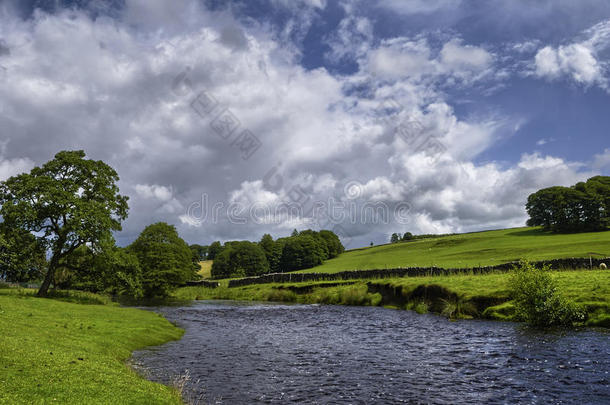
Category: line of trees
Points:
column 301, row 250
column 57, row 228
column 584, row 207
column 397, row 237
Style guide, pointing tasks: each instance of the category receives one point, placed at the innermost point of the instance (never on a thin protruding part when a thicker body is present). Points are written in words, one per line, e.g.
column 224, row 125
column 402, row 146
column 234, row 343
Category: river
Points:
column 240, row 353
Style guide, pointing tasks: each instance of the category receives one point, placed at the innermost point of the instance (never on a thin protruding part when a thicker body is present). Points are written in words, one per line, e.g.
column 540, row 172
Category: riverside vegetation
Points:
column 488, row 296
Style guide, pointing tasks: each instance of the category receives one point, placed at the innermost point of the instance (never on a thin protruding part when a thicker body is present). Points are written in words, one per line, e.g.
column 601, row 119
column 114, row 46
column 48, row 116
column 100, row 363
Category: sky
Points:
column 231, row 119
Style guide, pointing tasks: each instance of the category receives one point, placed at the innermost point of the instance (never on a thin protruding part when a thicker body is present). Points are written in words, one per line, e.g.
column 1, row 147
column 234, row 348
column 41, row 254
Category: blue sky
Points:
column 514, row 93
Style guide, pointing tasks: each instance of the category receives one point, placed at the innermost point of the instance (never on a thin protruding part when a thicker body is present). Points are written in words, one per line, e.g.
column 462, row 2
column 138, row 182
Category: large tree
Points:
column 580, row 208
column 68, row 202
column 165, row 259
column 239, row 259
column 214, row 249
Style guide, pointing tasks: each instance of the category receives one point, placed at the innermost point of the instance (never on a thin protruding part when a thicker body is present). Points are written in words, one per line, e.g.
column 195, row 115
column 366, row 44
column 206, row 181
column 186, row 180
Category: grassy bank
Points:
column 471, row 250
column 67, row 352
column 477, row 296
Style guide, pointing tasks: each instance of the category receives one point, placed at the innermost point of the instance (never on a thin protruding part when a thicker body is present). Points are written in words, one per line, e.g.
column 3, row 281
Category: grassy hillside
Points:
column 205, row 268
column 472, row 249
column 61, row 352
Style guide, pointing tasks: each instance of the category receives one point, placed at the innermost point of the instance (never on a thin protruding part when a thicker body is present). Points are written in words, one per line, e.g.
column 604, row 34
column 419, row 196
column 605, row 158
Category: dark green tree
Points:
column 394, row 238
column 239, row 259
column 200, row 253
column 407, row 236
column 333, row 243
column 214, row 249
column 22, row 256
column 66, row 203
column 109, row 269
column 580, row 208
column 165, row 259
column 273, row 251
column 301, row 252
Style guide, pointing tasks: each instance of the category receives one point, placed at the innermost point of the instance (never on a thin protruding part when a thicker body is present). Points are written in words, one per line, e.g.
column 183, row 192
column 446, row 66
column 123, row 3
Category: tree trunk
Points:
column 44, row 288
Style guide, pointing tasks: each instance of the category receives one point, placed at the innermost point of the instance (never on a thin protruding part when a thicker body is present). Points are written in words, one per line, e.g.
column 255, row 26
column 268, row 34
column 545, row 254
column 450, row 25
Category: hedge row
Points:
column 556, row 264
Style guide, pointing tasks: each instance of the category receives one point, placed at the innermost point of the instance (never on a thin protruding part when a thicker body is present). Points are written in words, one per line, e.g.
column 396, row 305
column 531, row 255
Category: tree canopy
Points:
column 166, row 261
column 583, row 207
column 22, row 257
column 240, row 259
column 302, row 250
column 68, row 202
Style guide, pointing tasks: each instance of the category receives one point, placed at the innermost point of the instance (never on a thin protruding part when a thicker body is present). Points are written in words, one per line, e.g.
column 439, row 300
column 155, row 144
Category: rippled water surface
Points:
column 263, row 353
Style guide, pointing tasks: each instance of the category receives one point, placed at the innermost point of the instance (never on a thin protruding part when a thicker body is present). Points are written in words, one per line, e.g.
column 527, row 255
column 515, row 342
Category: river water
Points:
column 240, row 353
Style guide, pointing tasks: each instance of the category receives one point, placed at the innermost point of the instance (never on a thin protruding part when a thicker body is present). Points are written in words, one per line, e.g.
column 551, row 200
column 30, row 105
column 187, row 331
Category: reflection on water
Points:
column 263, row 353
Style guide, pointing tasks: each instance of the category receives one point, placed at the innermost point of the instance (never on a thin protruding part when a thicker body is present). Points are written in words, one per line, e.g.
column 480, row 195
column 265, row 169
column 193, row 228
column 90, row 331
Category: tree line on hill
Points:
column 57, row 224
column 583, row 207
column 397, row 237
column 301, row 250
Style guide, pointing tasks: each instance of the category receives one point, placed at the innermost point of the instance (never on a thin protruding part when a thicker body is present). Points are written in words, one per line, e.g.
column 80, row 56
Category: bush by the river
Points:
column 538, row 300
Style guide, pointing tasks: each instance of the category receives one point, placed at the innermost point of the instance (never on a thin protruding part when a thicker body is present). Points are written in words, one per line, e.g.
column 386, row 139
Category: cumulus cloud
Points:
column 416, row 59
column 129, row 91
column 456, row 56
column 578, row 61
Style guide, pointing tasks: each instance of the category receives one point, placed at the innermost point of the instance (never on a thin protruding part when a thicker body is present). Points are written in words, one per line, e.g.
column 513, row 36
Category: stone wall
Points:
column 556, row 264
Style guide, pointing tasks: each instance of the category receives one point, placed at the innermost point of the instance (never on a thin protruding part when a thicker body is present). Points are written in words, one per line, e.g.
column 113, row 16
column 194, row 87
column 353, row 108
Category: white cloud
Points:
column 456, row 56
column 578, row 60
column 415, row 59
column 602, row 160
column 12, row 167
column 419, row 6
column 108, row 86
column 160, row 193
column 406, row 59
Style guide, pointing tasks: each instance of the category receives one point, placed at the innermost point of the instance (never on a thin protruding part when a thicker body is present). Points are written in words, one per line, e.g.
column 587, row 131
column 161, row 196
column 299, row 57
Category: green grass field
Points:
column 63, row 352
column 471, row 250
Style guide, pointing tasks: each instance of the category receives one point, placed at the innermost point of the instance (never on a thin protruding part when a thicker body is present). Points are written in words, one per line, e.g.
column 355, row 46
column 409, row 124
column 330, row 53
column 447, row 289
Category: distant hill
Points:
column 472, row 249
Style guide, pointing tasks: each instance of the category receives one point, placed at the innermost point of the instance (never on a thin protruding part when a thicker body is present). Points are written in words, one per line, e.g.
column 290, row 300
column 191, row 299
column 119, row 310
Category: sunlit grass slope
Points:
column 205, row 268
column 68, row 353
column 471, row 250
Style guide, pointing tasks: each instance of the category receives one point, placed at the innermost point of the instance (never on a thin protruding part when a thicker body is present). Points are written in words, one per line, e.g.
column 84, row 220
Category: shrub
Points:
column 537, row 299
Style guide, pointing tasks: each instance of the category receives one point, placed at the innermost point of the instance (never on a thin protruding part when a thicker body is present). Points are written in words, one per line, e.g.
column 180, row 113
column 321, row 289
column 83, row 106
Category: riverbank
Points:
column 75, row 352
column 482, row 296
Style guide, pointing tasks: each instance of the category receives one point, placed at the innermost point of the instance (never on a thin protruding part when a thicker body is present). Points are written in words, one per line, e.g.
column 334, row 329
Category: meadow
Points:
column 471, row 250
column 73, row 350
